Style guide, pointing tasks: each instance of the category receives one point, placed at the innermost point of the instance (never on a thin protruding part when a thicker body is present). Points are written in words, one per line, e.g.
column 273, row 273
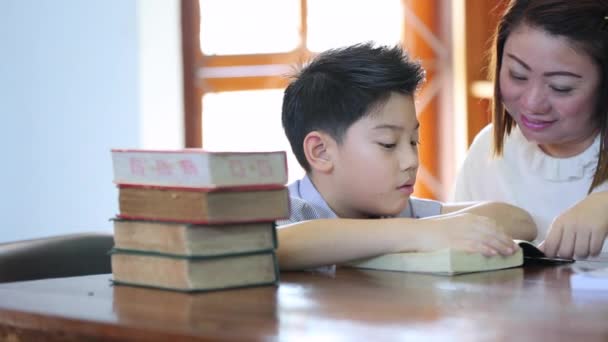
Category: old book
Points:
column 194, row 240
column 452, row 262
column 444, row 261
column 198, row 168
column 194, row 273
column 203, row 206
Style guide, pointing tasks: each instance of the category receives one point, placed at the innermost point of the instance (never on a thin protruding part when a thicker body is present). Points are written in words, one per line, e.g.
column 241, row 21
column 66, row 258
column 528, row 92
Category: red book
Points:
column 204, row 206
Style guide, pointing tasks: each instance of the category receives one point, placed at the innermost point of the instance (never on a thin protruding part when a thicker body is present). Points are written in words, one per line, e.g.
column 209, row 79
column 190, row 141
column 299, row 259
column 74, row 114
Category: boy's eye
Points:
column 387, row 146
column 415, row 142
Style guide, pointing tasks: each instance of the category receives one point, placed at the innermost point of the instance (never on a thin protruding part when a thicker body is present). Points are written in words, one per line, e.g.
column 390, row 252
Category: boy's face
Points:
column 375, row 166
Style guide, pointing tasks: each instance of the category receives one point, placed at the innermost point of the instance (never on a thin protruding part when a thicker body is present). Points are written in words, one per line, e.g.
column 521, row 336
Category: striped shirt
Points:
column 306, row 203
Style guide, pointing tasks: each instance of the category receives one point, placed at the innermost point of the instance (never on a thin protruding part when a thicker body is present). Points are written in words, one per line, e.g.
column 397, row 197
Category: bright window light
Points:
column 247, row 121
column 232, row 27
column 344, row 22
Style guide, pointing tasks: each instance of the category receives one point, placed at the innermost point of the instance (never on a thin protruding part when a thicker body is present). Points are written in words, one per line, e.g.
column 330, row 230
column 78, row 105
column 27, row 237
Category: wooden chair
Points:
column 53, row 257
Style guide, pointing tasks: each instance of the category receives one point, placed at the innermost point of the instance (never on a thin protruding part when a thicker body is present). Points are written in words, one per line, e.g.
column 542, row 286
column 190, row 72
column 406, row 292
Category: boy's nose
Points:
column 409, row 159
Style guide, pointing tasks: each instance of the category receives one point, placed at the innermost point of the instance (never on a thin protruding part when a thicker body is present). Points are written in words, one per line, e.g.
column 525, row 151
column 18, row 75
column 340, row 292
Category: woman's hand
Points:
column 581, row 230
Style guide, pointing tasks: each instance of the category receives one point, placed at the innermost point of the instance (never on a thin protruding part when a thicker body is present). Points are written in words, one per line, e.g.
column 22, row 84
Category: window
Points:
column 238, row 52
column 242, row 27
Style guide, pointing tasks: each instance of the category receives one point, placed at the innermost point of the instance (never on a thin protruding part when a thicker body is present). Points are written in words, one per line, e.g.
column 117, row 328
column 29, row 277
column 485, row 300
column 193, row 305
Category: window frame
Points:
column 433, row 18
column 195, row 63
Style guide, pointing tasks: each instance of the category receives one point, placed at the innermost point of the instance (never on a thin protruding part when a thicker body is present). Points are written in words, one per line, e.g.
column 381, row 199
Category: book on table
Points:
column 187, row 239
column 452, row 262
column 197, row 168
column 203, row 206
column 188, row 274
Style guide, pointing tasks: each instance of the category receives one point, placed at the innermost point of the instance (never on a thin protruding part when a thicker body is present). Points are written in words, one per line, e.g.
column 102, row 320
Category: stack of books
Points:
column 193, row 220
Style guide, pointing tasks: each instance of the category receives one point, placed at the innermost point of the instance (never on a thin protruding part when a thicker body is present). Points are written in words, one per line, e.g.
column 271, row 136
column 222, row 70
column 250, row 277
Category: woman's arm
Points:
column 517, row 222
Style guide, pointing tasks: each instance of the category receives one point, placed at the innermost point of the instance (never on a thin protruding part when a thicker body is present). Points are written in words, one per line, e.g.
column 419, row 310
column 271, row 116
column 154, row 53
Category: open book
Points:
column 452, row 262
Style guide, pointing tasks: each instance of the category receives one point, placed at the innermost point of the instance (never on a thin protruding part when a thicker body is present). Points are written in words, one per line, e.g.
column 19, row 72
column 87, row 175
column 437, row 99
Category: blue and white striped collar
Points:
column 308, row 192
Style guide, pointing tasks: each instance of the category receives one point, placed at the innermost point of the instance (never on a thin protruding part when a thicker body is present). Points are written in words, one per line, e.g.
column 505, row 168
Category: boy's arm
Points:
column 320, row 242
column 516, row 222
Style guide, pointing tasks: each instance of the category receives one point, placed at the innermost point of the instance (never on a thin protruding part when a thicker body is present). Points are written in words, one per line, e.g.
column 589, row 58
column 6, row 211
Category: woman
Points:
column 546, row 150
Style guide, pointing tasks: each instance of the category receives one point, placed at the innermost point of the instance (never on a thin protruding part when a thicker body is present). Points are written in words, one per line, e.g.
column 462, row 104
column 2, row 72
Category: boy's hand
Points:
column 468, row 232
column 580, row 231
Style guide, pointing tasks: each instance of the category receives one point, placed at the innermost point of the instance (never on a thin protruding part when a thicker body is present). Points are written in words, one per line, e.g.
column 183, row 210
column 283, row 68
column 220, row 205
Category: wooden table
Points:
column 531, row 303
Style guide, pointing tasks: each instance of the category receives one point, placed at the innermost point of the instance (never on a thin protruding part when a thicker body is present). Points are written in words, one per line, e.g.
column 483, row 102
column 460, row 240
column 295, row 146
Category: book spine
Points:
column 164, row 169
column 184, row 290
column 211, row 221
column 249, row 169
column 236, row 188
column 199, row 169
column 193, row 257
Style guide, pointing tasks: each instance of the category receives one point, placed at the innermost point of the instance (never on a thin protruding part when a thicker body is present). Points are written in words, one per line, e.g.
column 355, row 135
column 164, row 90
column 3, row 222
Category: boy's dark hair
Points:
column 340, row 86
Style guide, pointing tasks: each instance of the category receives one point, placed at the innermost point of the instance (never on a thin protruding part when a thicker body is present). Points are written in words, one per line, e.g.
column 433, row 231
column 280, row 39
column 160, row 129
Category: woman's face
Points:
column 550, row 89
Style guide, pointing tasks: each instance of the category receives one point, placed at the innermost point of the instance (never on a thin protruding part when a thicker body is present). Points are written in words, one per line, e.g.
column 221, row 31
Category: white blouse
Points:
column 525, row 176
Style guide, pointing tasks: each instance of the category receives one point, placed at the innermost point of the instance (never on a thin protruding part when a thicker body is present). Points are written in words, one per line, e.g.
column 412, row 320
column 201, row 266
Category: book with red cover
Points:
column 197, row 168
column 203, row 206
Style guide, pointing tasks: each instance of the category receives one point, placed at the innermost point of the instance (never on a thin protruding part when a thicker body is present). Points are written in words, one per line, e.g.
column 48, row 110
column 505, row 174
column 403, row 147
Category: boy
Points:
column 351, row 122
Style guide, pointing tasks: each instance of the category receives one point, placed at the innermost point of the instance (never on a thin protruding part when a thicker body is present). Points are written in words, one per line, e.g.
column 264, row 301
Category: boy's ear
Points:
column 318, row 148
